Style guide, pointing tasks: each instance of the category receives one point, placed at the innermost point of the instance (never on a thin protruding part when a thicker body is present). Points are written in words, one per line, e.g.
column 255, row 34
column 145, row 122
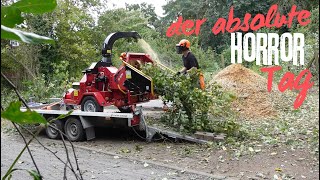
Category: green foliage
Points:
column 39, row 89
column 14, row 34
column 13, row 113
column 75, row 37
column 60, row 78
column 7, row 96
column 311, row 49
column 194, row 109
column 147, row 9
column 229, row 127
column 32, row 173
column 11, row 16
column 35, row 6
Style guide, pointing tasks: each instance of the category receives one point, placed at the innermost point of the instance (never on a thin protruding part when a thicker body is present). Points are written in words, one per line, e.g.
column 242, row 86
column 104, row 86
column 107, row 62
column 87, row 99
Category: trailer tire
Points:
column 90, row 104
column 52, row 133
column 74, row 129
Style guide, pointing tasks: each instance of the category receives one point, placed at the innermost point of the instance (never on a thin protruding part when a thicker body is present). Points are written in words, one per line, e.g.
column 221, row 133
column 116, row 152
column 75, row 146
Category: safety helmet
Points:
column 123, row 56
column 182, row 46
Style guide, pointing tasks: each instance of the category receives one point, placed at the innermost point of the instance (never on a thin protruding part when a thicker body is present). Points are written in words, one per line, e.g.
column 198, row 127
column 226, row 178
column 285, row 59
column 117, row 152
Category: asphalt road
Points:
column 94, row 165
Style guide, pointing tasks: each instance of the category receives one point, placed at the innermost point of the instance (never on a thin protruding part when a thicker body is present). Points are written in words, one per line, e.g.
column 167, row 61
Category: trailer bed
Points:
column 88, row 120
column 83, row 113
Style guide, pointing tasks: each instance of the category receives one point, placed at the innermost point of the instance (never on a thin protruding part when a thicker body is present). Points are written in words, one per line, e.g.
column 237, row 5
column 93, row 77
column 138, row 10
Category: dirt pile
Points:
column 253, row 99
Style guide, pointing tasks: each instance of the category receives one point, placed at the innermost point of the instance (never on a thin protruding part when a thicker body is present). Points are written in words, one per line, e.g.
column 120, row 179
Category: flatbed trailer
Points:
column 80, row 125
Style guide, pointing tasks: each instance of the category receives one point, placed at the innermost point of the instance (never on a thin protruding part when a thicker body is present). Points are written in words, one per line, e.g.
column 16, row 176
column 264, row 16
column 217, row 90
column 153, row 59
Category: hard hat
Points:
column 182, row 46
column 184, row 43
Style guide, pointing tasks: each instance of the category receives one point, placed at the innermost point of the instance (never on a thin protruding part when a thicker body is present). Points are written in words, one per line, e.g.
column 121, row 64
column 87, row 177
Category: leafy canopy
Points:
column 14, row 114
column 11, row 16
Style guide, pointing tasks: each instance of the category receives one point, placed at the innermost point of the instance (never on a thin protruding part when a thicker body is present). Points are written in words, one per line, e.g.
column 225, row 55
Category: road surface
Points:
column 93, row 164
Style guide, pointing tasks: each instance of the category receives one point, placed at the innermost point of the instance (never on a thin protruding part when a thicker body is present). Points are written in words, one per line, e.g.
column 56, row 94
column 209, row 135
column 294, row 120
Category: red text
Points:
column 288, row 81
column 186, row 27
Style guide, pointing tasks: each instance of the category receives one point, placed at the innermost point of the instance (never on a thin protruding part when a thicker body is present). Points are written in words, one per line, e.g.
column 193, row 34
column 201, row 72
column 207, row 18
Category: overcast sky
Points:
column 121, row 4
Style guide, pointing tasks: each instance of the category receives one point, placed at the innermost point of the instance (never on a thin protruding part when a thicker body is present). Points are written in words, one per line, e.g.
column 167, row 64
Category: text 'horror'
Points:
column 263, row 48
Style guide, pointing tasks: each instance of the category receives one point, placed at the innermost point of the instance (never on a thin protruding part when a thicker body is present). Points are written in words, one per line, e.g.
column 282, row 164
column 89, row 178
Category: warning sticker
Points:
column 75, row 92
column 128, row 74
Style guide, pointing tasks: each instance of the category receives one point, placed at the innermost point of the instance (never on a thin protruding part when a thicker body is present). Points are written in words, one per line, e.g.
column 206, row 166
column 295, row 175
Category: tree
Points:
column 148, row 11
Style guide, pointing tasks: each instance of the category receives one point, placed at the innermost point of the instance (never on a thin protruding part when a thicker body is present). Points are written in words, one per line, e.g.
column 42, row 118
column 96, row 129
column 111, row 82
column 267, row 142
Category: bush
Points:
column 38, row 89
column 194, row 109
column 7, row 96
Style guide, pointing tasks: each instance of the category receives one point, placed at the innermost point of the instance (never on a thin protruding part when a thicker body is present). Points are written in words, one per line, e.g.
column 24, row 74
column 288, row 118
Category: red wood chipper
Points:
column 103, row 84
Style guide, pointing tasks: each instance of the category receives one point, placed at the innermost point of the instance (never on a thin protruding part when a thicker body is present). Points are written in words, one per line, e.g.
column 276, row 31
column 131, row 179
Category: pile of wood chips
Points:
column 253, row 99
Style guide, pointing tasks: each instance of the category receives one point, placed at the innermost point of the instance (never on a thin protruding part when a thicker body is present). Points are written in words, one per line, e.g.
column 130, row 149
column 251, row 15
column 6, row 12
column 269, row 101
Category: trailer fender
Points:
column 88, row 127
column 99, row 98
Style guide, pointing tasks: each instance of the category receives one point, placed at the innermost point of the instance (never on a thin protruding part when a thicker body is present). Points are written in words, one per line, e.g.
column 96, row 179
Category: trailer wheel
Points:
column 90, row 104
column 125, row 109
column 74, row 129
column 51, row 132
